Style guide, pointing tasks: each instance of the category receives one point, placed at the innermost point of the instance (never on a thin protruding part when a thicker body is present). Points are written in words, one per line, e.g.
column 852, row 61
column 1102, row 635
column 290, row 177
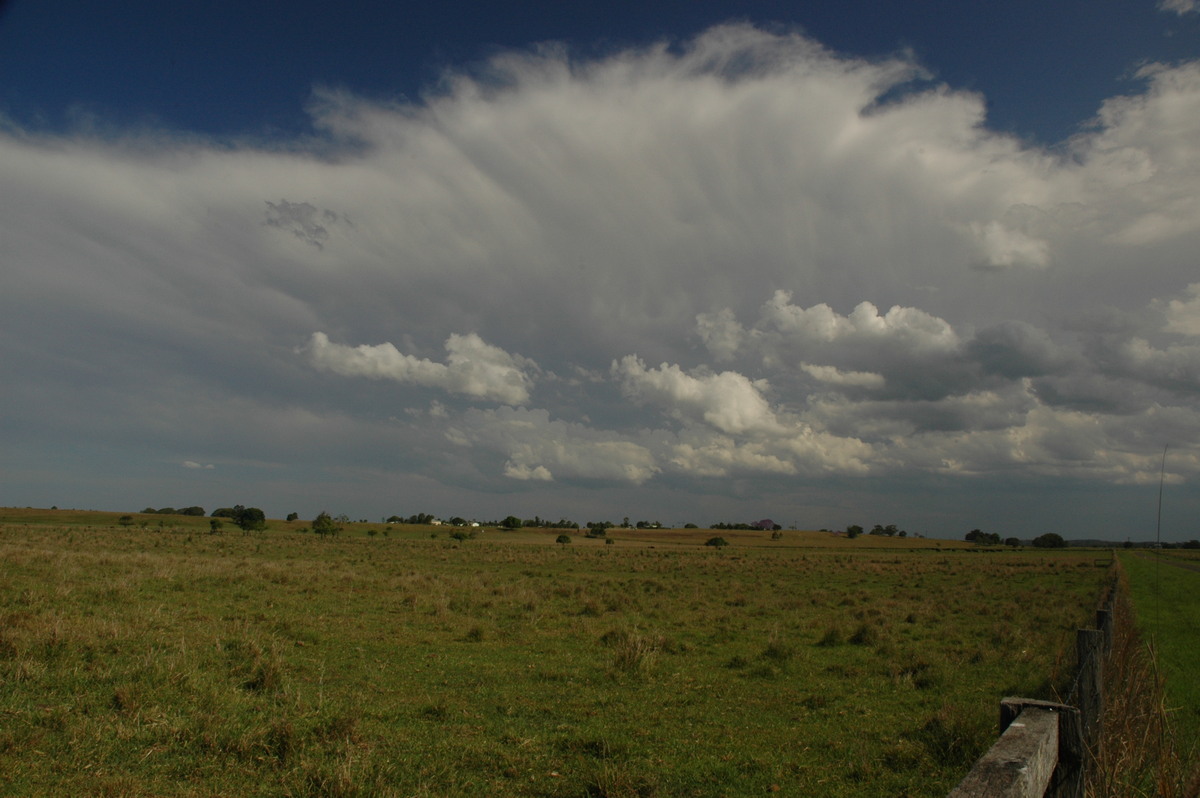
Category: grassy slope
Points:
column 139, row 662
column 1167, row 602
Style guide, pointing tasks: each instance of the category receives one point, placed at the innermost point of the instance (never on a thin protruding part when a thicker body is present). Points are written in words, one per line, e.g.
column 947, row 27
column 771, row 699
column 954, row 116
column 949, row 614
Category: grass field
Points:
column 1167, row 601
column 168, row 661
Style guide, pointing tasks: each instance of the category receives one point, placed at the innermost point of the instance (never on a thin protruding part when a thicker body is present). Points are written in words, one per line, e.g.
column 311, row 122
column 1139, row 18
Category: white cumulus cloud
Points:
column 1003, row 248
column 835, row 376
column 473, row 368
column 1183, row 315
column 728, row 401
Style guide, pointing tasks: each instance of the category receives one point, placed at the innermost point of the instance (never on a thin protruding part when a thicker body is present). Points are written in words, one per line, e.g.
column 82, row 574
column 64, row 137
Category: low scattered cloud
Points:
column 727, row 401
column 473, row 368
column 194, row 464
column 525, row 473
column 536, row 447
column 832, row 375
column 1002, row 248
column 1183, row 315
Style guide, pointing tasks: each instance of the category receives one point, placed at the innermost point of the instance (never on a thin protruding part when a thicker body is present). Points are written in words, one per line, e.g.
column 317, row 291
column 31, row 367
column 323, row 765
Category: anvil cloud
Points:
column 745, row 276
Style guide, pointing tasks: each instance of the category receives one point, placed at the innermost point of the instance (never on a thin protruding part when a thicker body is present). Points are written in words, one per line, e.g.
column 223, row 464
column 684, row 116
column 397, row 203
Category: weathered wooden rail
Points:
column 1045, row 748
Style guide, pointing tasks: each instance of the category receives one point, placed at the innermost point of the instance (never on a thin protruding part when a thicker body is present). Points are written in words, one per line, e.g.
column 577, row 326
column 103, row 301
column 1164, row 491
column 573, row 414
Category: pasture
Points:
column 169, row 661
column 1165, row 587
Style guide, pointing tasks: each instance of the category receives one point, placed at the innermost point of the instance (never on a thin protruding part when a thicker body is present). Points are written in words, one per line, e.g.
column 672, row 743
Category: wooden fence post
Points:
column 1090, row 647
column 1052, row 746
column 1021, row 763
column 1068, row 776
column 1067, row 781
column 1104, row 622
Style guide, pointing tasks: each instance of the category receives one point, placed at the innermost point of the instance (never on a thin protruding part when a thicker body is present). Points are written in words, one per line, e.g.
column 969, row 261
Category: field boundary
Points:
column 1047, row 748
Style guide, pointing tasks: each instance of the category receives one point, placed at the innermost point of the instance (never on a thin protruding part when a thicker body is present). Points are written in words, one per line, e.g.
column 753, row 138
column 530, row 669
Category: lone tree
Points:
column 324, row 525
column 1050, row 540
column 563, row 539
column 717, row 542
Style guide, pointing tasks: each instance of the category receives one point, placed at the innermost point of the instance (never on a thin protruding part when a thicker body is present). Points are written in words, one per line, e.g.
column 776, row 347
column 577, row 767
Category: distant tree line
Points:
column 891, row 531
column 510, row 522
column 982, row 538
column 417, row 518
column 537, row 522
column 1050, row 540
column 251, row 519
column 198, row 511
column 541, row 523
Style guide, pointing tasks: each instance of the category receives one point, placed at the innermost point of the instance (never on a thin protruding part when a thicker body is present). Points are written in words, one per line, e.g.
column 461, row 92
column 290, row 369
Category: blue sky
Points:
column 249, row 67
column 929, row 264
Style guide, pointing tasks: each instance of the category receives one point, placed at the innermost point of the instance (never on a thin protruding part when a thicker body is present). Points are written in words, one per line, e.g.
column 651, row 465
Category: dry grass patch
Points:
column 284, row 664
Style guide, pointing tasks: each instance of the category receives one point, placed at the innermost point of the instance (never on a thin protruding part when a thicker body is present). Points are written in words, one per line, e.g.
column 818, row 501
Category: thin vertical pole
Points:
column 1162, row 473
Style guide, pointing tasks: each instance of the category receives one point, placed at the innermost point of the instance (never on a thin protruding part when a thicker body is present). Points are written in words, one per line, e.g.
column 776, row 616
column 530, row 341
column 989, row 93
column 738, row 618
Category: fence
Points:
column 1045, row 748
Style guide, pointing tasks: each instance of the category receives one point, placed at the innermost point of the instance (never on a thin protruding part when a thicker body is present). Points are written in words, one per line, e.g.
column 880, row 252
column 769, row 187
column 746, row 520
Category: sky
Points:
column 829, row 263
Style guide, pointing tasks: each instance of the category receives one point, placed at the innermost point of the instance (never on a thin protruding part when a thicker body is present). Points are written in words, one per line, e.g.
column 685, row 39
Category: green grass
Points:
column 1166, row 599
column 174, row 662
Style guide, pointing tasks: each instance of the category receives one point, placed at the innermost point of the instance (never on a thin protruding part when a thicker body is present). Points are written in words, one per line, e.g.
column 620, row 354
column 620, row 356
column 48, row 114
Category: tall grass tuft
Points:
column 617, row 781
column 953, row 738
column 633, row 653
column 778, row 649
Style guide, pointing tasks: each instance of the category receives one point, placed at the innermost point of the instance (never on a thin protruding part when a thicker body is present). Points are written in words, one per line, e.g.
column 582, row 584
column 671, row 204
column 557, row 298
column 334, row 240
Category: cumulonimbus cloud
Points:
column 839, row 268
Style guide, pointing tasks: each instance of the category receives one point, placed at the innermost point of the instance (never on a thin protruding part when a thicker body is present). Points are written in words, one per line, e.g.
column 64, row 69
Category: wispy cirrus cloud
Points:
column 1179, row 7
